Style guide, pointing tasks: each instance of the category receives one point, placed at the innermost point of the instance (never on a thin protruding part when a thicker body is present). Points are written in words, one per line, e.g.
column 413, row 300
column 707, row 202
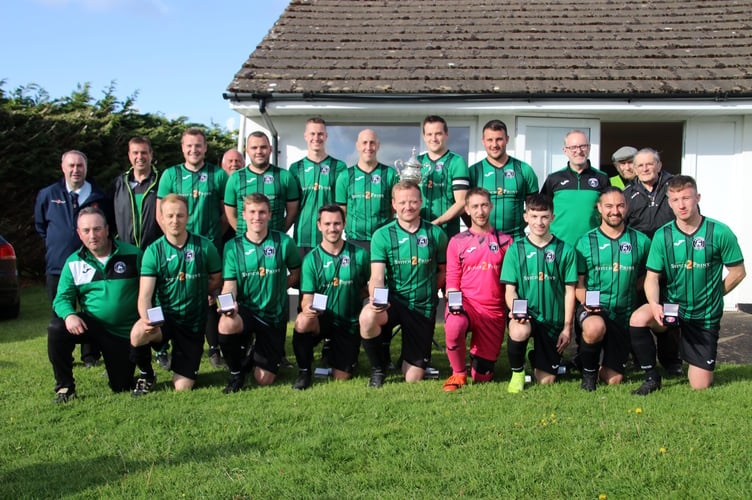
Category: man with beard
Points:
column 612, row 259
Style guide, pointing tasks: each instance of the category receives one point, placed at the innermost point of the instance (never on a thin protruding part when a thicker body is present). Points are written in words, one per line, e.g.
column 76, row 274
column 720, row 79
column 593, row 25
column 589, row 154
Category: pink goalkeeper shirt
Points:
column 474, row 265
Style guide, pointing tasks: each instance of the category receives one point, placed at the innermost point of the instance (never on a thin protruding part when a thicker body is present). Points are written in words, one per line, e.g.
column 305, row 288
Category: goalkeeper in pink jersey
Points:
column 474, row 260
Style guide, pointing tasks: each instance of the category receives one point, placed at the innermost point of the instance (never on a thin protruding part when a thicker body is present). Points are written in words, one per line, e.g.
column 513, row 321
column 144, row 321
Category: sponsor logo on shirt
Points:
column 360, row 178
column 470, row 250
column 326, row 266
column 531, row 255
column 308, row 169
column 187, row 176
column 677, row 243
column 171, row 257
column 564, row 183
column 403, row 240
column 252, row 179
column 119, row 267
column 604, row 246
column 488, row 174
column 250, row 251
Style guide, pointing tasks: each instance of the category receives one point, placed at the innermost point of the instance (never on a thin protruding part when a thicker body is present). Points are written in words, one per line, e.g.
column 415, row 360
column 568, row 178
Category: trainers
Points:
column 377, row 379
column 455, row 382
column 648, row 386
column 164, row 360
column 235, row 384
column 517, row 382
column 303, row 381
column 589, row 381
column 64, row 394
column 216, row 360
column 143, row 386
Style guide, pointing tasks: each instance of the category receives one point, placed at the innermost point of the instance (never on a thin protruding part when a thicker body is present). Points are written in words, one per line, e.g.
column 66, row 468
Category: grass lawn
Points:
column 343, row 440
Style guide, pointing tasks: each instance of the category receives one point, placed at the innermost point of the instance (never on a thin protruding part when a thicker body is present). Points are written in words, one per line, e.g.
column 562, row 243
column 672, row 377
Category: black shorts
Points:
column 616, row 343
column 269, row 344
column 344, row 344
column 187, row 347
column 698, row 345
column 545, row 356
column 417, row 333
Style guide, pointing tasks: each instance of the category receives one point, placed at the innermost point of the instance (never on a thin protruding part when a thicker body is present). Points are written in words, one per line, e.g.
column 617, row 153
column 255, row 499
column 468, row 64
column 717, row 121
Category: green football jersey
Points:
column 205, row 191
column 277, row 184
column 368, row 198
column 541, row 275
column 316, row 182
column 441, row 178
column 341, row 278
column 694, row 264
column 412, row 261
column 260, row 271
column 612, row 266
column 107, row 292
column 509, row 186
column 182, row 278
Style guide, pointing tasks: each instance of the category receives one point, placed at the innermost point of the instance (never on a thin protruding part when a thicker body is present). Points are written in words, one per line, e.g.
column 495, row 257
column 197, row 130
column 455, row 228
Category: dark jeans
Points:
column 88, row 351
column 116, row 351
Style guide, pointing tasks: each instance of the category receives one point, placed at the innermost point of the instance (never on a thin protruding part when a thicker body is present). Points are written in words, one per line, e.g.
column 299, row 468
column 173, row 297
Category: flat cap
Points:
column 624, row 153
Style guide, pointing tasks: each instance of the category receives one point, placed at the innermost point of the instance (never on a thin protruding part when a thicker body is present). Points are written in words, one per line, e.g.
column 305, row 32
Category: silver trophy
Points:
column 409, row 170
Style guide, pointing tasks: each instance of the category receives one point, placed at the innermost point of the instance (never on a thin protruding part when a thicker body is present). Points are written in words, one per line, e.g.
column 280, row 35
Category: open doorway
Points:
column 665, row 137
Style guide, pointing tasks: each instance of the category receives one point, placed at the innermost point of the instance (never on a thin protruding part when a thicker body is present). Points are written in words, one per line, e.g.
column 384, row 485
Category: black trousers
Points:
column 115, row 351
column 88, row 351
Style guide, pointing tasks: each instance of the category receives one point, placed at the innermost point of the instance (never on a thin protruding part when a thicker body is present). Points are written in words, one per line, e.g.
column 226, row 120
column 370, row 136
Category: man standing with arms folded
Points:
column 612, row 259
column 101, row 277
column 135, row 197
column 445, row 178
column 575, row 190
column 508, row 179
column 316, row 175
column 338, row 270
column 408, row 256
column 692, row 250
column 262, row 177
column 541, row 269
column 474, row 260
column 55, row 215
column 255, row 271
column 364, row 191
column 182, row 271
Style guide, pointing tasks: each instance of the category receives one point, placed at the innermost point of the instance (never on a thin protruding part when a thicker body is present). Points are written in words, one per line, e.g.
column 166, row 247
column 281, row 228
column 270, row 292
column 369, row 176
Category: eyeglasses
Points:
column 581, row 147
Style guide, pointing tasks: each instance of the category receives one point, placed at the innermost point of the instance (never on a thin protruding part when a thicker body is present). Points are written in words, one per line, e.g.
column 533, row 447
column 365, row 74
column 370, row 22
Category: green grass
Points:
column 342, row 440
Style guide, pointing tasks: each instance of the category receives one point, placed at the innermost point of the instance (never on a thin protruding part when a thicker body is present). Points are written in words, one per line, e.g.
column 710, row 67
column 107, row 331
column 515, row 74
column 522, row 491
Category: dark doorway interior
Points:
column 665, row 137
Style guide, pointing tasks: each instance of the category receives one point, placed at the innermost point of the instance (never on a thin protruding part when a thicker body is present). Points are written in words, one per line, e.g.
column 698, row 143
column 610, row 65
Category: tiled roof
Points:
column 510, row 48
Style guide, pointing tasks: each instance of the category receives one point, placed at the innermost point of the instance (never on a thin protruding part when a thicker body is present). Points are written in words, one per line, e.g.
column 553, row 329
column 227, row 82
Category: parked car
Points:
column 10, row 285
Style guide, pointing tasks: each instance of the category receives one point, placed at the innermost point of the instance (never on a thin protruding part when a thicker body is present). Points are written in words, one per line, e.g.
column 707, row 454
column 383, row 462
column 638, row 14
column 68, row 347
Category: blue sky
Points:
column 180, row 55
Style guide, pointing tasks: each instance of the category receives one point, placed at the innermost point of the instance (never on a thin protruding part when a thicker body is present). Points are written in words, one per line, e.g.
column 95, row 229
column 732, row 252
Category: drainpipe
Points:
column 272, row 129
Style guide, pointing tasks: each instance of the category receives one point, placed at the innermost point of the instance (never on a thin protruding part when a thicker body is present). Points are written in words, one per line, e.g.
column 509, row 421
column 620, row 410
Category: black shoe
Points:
column 235, row 384
column 286, row 363
column 589, row 381
column 303, row 381
column 164, row 360
column 377, row 379
column 215, row 359
column 674, row 371
column 143, row 386
column 91, row 363
column 64, row 394
column 648, row 386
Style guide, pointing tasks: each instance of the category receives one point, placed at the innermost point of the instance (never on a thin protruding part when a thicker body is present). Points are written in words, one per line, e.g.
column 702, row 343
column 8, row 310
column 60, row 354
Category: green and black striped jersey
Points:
column 182, row 278
column 341, row 278
column 612, row 266
column 368, row 198
column 275, row 183
column 412, row 261
column 441, row 178
column 541, row 275
column 260, row 270
column 509, row 186
column 693, row 264
column 205, row 191
column 316, row 182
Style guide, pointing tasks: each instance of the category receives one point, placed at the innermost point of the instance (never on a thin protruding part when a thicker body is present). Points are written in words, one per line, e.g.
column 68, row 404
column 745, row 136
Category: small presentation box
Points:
column 380, row 297
column 155, row 315
column 671, row 314
column 454, row 301
column 319, row 302
column 593, row 299
column 519, row 309
column 226, row 302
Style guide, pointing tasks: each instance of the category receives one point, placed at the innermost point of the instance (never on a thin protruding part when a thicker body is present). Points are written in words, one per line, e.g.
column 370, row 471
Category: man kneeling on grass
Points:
column 542, row 270
column 102, row 277
column 183, row 270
